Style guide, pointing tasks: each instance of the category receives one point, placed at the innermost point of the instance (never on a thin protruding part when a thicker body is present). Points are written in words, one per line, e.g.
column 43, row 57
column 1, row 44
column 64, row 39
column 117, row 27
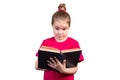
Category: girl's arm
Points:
column 61, row 67
column 36, row 64
column 69, row 70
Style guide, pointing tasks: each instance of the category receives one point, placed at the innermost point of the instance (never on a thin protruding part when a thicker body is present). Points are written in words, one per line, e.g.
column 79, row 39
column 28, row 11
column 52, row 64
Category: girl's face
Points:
column 60, row 29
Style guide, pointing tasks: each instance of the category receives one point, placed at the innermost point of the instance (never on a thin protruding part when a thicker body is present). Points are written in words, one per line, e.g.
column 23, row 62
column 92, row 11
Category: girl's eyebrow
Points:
column 60, row 27
column 65, row 27
column 56, row 27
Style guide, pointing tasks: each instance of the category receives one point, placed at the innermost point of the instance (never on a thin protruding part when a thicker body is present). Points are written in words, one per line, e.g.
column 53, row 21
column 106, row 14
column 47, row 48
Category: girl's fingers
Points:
column 51, row 65
column 49, row 62
column 64, row 62
column 57, row 61
column 52, row 60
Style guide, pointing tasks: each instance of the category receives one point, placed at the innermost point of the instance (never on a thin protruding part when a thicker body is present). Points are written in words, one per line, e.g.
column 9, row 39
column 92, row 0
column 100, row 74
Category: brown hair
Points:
column 61, row 14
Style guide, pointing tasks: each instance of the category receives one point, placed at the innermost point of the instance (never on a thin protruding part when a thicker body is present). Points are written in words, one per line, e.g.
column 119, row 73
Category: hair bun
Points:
column 62, row 7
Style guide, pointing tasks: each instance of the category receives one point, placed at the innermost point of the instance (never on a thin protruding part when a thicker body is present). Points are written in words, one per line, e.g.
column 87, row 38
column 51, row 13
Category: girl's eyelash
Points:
column 57, row 28
column 64, row 28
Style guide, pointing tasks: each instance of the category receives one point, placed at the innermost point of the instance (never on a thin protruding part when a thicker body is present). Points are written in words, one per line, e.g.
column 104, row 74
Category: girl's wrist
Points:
column 62, row 70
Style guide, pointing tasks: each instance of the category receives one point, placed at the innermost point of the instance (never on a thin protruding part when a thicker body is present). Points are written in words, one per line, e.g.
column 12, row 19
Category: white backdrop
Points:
column 25, row 23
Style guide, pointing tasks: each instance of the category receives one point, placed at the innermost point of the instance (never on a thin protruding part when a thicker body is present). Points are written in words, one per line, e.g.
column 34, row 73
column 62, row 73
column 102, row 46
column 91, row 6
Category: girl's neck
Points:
column 61, row 40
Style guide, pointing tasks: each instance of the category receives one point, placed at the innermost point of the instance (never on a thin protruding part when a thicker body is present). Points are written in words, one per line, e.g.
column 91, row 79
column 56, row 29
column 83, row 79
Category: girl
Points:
column 61, row 25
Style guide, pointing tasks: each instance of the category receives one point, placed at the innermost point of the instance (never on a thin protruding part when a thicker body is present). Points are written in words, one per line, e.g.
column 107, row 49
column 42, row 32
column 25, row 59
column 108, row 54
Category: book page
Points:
column 51, row 49
column 70, row 50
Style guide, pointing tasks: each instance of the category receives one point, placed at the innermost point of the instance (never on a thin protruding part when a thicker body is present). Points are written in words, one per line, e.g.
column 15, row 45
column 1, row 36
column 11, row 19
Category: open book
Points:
column 70, row 55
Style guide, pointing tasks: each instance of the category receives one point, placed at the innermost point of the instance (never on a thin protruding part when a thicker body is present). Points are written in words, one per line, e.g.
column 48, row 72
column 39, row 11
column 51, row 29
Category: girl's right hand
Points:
column 56, row 64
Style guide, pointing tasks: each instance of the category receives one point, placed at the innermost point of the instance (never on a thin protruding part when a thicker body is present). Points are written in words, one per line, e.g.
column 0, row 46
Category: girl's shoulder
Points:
column 49, row 39
column 73, row 42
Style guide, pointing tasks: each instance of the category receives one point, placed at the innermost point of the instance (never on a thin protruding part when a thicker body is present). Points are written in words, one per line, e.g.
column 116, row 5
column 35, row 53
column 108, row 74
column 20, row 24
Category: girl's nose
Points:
column 60, row 32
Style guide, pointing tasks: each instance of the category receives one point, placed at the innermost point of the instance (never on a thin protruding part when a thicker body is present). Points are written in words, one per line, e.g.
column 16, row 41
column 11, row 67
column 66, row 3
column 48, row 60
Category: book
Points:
column 70, row 55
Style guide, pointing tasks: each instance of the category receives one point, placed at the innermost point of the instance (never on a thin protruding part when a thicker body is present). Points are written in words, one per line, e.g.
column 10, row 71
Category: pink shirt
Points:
column 69, row 43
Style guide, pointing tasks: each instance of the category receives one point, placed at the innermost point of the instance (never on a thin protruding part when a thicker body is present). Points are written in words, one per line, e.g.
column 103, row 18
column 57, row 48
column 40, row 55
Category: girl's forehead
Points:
column 62, row 21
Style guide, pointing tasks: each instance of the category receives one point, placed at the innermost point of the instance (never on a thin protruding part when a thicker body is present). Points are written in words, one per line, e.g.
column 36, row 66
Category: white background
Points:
column 25, row 23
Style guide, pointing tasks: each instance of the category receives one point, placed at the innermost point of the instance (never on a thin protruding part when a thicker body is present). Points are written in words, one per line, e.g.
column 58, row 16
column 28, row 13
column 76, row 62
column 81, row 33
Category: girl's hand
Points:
column 56, row 64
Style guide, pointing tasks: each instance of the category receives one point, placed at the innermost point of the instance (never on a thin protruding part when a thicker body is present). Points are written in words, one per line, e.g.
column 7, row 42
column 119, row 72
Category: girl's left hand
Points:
column 56, row 64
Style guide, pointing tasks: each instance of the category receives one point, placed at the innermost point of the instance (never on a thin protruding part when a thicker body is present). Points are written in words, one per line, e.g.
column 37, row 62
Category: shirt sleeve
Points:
column 81, row 58
column 76, row 45
column 43, row 43
column 36, row 53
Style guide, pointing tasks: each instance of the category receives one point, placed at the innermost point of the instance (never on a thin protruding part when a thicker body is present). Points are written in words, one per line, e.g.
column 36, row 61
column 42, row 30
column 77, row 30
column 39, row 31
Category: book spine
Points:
column 60, row 52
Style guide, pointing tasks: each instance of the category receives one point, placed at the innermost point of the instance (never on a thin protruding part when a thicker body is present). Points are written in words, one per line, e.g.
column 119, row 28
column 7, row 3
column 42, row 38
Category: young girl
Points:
column 61, row 25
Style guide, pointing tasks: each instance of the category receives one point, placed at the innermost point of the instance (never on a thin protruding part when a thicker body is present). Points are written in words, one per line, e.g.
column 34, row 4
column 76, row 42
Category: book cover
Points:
column 70, row 55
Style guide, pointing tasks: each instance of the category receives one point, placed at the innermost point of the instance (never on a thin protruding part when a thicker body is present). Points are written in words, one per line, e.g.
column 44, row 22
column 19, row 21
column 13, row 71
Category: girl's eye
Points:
column 64, row 28
column 57, row 28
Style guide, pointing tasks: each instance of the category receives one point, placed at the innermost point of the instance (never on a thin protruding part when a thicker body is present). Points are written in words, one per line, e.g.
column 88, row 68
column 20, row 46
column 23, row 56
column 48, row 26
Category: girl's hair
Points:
column 61, row 14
